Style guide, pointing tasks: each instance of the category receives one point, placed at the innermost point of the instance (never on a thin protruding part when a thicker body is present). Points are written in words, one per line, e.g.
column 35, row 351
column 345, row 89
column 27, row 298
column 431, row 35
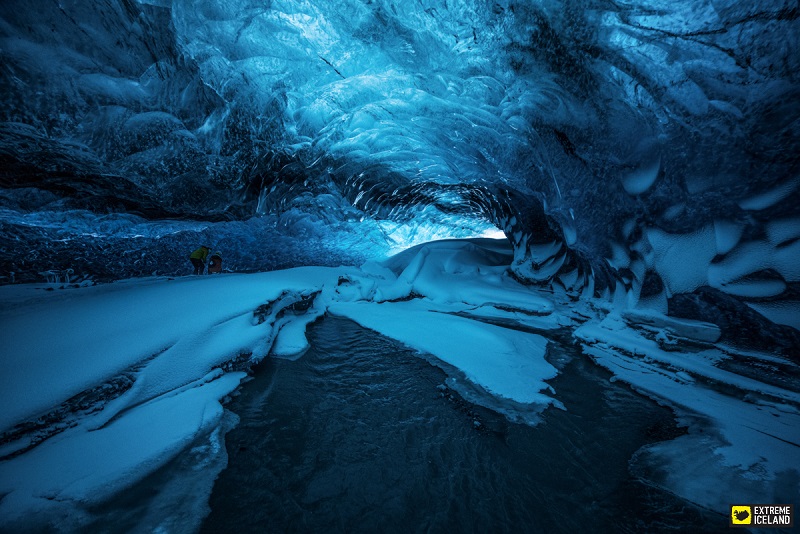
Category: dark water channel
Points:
column 359, row 436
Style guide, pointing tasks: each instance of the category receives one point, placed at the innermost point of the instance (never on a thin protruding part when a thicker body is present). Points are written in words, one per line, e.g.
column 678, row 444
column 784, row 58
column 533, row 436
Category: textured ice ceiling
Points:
column 645, row 146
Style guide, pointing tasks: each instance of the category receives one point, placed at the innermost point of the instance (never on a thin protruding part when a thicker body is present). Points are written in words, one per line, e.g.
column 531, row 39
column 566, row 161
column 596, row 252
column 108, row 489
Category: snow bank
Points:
column 58, row 346
column 171, row 337
column 456, row 277
column 506, row 363
column 81, row 467
column 461, row 272
column 741, row 430
column 176, row 342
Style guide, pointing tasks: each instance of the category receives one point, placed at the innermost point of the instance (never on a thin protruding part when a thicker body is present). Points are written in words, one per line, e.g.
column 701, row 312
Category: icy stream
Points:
column 436, row 393
column 360, row 435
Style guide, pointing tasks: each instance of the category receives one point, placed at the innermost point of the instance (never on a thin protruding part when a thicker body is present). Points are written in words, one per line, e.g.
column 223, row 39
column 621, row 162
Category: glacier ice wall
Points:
column 641, row 149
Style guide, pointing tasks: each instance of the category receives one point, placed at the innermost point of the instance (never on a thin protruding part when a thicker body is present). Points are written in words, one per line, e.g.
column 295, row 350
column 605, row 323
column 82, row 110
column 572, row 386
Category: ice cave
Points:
column 486, row 265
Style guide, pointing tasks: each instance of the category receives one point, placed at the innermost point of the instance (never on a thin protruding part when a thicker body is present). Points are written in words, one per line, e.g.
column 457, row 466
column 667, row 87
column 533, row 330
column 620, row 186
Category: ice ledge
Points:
column 742, row 430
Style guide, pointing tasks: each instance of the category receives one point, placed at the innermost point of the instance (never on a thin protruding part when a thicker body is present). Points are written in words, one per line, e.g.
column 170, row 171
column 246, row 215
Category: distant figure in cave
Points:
column 198, row 259
column 215, row 263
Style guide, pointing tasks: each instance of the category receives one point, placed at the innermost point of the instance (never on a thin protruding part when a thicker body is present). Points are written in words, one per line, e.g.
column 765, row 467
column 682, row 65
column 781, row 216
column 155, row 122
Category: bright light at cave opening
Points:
column 402, row 236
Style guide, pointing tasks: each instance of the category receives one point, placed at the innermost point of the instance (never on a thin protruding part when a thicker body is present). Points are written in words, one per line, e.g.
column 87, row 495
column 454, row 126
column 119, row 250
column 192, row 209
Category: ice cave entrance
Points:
column 402, row 236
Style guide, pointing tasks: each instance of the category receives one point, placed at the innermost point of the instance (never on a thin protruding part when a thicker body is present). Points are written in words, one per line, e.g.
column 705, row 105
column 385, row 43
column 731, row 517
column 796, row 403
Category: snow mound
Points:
column 158, row 357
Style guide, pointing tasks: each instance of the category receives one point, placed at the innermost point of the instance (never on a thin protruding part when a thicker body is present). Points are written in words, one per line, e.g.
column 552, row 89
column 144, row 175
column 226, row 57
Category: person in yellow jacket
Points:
column 198, row 259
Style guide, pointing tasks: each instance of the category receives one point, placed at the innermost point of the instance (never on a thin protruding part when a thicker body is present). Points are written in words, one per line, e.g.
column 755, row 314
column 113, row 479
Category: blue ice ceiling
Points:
column 644, row 148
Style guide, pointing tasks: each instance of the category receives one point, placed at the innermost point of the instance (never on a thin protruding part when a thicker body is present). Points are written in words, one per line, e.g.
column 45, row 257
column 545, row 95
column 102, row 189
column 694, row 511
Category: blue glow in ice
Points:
column 580, row 130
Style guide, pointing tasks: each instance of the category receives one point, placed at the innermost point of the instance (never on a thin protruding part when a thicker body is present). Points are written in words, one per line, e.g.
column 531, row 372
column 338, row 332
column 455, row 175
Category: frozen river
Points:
column 361, row 435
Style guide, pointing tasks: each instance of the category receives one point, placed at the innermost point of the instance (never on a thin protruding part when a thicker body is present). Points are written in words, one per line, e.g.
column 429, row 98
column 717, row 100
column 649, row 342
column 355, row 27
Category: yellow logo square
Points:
column 741, row 515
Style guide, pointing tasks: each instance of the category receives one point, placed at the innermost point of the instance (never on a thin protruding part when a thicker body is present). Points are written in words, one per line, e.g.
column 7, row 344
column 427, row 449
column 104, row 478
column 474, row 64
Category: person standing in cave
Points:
column 198, row 259
column 215, row 263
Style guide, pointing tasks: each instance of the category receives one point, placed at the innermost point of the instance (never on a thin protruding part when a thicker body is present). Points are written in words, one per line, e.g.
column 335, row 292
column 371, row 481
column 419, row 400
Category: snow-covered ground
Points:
column 104, row 385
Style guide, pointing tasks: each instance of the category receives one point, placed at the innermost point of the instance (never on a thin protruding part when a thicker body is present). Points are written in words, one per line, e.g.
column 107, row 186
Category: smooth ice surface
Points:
column 681, row 276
